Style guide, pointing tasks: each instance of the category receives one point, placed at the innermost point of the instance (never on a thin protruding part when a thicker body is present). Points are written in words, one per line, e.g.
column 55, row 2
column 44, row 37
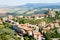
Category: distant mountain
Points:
column 41, row 5
column 34, row 5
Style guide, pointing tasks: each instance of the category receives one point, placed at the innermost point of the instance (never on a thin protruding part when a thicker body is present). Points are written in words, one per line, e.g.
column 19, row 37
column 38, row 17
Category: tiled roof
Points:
column 45, row 29
column 26, row 28
column 36, row 33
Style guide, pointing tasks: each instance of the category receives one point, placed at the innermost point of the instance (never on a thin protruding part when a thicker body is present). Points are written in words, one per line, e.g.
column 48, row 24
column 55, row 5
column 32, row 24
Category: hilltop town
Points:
column 35, row 27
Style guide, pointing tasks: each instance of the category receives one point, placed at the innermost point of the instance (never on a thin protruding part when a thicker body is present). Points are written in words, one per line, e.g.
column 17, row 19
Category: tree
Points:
column 1, row 26
column 8, row 34
column 47, row 36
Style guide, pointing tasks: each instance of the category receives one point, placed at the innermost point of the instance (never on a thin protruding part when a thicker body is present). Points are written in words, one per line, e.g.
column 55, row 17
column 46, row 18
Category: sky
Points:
column 22, row 2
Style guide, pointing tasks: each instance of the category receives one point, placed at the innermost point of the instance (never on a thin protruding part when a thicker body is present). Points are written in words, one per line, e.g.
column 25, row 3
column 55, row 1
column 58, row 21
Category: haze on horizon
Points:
column 22, row 2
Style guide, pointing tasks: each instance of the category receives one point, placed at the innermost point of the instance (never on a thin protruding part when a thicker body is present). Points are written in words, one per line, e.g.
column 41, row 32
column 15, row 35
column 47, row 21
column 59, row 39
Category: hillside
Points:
column 28, row 9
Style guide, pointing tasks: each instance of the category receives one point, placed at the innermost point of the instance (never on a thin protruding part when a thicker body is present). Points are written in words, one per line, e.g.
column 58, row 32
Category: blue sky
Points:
column 21, row 2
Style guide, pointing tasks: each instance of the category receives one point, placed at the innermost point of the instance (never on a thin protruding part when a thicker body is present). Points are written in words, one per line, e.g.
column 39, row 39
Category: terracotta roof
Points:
column 49, row 25
column 28, row 29
column 23, row 25
column 36, row 33
column 45, row 29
